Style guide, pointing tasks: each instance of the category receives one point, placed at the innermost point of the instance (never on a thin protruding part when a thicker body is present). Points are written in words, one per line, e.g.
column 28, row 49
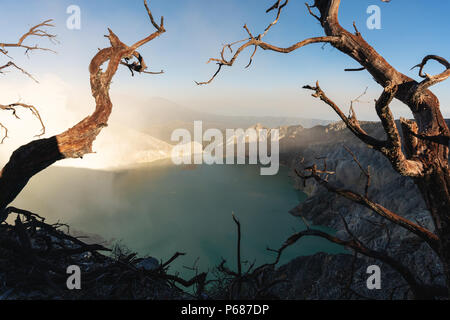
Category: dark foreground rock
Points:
column 35, row 256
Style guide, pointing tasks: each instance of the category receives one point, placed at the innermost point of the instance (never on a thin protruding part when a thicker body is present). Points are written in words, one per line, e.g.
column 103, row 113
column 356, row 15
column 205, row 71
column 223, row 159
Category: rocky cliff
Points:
column 324, row 276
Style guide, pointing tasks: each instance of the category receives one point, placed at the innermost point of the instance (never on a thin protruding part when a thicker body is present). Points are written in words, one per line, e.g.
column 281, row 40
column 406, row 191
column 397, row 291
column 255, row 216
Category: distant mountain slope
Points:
column 159, row 117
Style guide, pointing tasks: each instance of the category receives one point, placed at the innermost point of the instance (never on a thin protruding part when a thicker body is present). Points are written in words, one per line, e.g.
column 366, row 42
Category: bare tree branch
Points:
column 12, row 64
column 355, row 69
column 36, row 31
column 12, row 107
column 258, row 43
column 351, row 122
column 263, row 45
column 426, row 235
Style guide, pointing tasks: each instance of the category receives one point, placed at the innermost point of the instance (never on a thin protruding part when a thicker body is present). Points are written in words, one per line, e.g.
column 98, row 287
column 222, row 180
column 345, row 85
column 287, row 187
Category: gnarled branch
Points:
column 258, row 43
column 36, row 31
column 391, row 147
column 263, row 45
column 430, row 80
column 351, row 121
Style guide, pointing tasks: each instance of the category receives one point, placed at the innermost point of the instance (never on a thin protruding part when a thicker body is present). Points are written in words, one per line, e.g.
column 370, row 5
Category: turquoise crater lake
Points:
column 159, row 209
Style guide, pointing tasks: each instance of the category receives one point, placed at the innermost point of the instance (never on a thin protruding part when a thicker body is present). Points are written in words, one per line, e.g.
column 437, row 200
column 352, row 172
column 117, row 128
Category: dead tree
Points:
column 422, row 153
column 77, row 141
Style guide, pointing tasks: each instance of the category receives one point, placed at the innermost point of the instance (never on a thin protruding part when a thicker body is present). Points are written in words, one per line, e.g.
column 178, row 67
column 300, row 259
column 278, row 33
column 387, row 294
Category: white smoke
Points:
column 61, row 106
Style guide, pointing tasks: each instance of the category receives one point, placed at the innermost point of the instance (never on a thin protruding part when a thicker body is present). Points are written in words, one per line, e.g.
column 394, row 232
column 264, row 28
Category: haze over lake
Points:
column 159, row 209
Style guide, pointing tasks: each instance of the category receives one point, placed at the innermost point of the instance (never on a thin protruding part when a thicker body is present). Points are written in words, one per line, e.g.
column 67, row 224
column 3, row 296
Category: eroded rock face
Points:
column 391, row 190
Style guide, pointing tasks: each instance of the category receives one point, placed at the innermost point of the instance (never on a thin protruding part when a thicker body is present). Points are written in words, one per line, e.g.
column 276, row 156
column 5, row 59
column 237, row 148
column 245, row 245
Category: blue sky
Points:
column 196, row 29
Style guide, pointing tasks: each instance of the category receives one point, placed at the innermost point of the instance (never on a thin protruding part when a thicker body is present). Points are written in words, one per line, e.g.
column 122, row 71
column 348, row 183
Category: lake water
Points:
column 159, row 209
